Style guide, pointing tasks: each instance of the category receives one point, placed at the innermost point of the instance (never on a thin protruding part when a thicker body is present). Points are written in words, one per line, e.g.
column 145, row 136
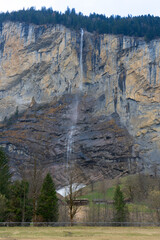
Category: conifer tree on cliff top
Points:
column 4, row 174
column 48, row 201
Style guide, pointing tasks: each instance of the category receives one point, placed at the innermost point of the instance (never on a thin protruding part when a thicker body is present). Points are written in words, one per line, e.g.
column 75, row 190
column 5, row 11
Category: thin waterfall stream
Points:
column 81, row 61
column 75, row 107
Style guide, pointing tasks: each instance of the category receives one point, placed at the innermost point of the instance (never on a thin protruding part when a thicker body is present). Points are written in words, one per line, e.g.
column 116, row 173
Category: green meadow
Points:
column 79, row 233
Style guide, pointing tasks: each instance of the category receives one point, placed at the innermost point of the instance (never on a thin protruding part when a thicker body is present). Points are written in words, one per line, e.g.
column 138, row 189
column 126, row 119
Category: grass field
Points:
column 79, row 233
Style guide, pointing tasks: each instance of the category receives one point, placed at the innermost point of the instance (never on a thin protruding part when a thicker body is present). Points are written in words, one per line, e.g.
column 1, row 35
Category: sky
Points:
column 107, row 7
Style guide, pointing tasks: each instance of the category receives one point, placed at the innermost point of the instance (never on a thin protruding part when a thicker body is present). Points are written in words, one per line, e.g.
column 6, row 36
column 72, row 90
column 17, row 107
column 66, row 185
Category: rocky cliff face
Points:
column 118, row 107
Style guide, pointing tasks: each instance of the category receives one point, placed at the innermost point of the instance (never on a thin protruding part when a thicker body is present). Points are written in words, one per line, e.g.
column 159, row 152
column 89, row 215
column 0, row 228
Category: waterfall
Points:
column 74, row 113
column 81, row 61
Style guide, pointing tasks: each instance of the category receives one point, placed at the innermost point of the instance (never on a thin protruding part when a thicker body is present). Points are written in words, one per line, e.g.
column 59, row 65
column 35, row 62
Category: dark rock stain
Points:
column 2, row 45
column 25, row 29
column 122, row 79
column 115, row 99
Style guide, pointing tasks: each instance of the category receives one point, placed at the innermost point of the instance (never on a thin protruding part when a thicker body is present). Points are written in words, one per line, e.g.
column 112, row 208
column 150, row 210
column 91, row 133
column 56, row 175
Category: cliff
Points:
column 117, row 107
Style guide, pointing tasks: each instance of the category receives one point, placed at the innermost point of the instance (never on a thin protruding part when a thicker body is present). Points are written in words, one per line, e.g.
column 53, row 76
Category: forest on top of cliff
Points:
column 146, row 26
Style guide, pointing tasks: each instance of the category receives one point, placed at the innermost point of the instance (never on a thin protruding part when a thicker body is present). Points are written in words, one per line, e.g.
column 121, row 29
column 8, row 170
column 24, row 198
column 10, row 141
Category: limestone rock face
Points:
column 117, row 109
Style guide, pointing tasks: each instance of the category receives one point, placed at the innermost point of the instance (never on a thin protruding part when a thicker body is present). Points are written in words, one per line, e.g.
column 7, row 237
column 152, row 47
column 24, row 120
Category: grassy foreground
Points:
column 78, row 233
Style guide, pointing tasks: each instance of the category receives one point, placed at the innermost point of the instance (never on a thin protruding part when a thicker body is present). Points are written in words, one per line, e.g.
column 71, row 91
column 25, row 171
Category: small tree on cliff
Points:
column 48, row 201
column 5, row 175
column 120, row 214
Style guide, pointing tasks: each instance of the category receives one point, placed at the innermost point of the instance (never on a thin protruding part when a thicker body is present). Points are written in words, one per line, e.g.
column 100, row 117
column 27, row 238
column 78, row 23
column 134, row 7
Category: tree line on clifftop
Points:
column 146, row 26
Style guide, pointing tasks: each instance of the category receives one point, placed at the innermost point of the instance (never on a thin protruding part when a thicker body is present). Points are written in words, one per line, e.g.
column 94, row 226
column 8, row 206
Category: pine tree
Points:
column 48, row 202
column 120, row 208
column 3, row 208
column 5, row 175
column 20, row 207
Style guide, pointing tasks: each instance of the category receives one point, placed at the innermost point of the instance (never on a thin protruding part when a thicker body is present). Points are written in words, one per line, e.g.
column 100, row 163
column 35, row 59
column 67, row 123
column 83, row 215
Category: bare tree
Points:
column 75, row 183
column 35, row 182
column 154, row 202
column 34, row 176
column 137, row 187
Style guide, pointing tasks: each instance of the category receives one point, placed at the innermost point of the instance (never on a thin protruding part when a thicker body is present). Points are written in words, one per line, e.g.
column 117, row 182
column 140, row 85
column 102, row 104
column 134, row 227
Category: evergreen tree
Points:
column 120, row 214
column 20, row 207
column 48, row 202
column 3, row 208
column 5, row 175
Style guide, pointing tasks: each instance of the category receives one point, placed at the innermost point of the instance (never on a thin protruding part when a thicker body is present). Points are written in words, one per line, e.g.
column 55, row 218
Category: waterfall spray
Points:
column 69, row 144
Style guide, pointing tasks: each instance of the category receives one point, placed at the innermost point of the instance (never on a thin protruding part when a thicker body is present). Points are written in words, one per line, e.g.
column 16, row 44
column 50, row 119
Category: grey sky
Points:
column 107, row 7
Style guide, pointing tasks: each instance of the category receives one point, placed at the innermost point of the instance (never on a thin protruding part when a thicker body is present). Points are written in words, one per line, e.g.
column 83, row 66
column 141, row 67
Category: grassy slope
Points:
column 98, row 195
column 99, row 191
column 108, row 194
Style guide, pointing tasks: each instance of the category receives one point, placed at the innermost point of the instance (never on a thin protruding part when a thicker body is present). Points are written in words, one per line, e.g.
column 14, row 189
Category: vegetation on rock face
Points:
column 146, row 26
